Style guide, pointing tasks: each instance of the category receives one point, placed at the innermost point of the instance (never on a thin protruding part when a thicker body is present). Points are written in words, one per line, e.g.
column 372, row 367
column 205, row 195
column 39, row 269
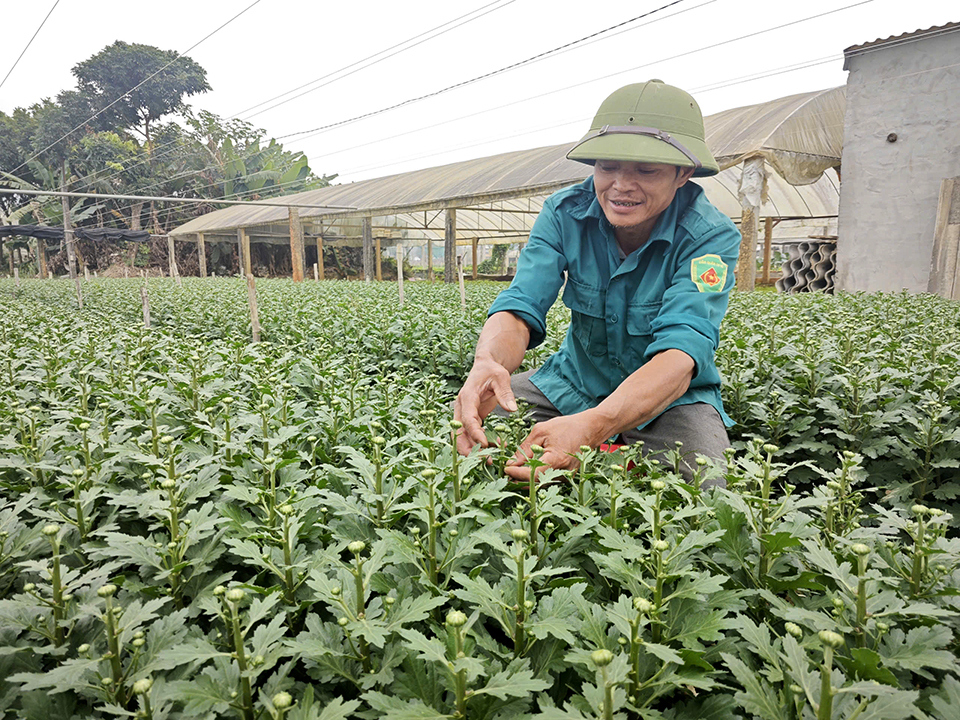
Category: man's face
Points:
column 633, row 194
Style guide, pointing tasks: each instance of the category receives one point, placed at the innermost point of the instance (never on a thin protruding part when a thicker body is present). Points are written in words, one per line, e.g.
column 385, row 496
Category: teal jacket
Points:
column 671, row 293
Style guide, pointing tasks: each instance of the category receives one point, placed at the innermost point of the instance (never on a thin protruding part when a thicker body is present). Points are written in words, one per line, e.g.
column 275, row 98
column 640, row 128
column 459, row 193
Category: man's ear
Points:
column 684, row 174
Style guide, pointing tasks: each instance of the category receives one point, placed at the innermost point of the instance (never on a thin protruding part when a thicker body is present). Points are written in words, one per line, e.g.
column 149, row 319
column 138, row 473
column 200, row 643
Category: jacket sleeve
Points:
column 696, row 301
column 540, row 272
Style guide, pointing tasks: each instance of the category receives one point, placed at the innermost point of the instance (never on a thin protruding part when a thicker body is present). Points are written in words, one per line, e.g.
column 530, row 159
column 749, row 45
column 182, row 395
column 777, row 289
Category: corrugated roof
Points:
column 904, row 37
column 799, row 135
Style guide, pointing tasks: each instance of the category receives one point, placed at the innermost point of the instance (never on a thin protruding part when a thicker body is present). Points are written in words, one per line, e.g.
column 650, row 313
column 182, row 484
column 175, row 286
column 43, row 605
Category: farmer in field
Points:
column 646, row 264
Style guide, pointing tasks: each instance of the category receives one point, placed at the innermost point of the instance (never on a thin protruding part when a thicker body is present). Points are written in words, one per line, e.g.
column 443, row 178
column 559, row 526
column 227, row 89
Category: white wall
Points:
column 889, row 190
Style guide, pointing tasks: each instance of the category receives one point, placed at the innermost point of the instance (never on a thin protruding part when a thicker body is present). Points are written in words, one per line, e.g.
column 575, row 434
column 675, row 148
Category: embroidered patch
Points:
column 708, row 273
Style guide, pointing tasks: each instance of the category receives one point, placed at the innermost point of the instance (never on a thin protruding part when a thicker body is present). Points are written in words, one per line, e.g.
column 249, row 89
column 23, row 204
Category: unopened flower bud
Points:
column 342, row 622
column 831, row 639
column 455, row 618
column 658, row 485
column 142, row 687
column 794, row 629
column 357, row 547
column 235, row 595
column 860, row 549
column 602, row 657
column 642, row 605
column 519, row 534
column 282, row 700
column 50, row 530
column 107, row 591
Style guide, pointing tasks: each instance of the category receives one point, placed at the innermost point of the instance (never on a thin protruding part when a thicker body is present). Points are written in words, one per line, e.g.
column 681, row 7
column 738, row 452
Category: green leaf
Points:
column 756, row 696
column 391, row 708
column 919, row 648
column 339, row 709
column 864, row 663
column 663, row 652
column 507, row 684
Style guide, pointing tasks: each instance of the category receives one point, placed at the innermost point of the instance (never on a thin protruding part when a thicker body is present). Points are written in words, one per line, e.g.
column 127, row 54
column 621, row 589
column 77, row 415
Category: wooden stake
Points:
column 202, row 254
column 16, row 275
column 463, row 292
column 473, row 273
column 145, row 301
column 767, row 249
column 400, row 270
column 76, row 284
column 172, row 256
column 41, row 259
column 450, row 257
column 86, row 273
column 246, row 264
column 430, row 260
column 254, row 313
column 316, row 275
column 377, row 258
column 49, row 275
column 320, row 257
column 366, row 228
column 296, row 243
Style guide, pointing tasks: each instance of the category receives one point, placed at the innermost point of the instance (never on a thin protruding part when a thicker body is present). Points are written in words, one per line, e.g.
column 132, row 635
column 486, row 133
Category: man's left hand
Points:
column 561, row 439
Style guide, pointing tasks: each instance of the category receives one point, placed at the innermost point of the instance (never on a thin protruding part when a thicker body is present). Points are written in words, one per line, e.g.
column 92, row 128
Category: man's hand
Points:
column 487, row 386
column 561, row 439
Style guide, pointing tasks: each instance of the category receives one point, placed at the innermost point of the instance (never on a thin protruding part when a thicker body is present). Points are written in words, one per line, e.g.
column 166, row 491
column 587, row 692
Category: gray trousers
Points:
column 697, row 426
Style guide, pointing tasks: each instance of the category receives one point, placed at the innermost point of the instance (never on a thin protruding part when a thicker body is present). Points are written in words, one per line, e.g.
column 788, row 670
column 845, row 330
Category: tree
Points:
column 136, row 85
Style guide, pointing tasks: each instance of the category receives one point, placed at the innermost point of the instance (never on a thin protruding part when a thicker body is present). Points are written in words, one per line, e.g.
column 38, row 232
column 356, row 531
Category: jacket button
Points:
column 614, row 318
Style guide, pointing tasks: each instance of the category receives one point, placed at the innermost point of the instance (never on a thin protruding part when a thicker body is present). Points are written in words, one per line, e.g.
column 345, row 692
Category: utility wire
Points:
column 140, row 84
column 29, row 43
column 563, row 48
column 506, row 68
column 369, row 57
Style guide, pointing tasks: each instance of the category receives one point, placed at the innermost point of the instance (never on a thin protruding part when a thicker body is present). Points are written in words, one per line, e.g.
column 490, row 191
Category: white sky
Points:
column 279, row 45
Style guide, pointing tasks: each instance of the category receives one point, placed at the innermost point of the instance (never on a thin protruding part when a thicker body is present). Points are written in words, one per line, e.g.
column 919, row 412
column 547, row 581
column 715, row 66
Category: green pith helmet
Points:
column 648, row 122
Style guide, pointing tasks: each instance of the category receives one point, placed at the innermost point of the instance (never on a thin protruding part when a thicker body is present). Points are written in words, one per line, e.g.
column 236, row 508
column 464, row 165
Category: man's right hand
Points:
column 487, row 386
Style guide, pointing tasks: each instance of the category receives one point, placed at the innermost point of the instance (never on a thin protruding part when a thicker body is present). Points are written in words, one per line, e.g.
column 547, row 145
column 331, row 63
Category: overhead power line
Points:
column 140, row 84
column 492, row 73
column 375, row 55
column 29, row 43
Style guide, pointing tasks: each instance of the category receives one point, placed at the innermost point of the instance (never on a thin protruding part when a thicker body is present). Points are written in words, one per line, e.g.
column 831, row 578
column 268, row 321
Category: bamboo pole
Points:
column 171, row 257
column 296, row 244
column 247, row 261
column 767, row 249
column 379, row 261
column 41, row 259
column 463, row 292
column 450, row 258
column 399, row 247
column 254, row 311
column 202, row 254
column 474, row 244
column 430, row 260
column 749, row 193
column 366, row 226
column 145, row 302
column 320, row 257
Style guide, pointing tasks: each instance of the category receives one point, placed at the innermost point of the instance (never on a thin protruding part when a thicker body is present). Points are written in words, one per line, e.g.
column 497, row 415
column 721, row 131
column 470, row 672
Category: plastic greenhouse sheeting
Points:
column 799, row 136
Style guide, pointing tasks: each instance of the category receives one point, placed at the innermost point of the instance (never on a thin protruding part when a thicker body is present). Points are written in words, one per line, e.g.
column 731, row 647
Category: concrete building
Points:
column 901, row 141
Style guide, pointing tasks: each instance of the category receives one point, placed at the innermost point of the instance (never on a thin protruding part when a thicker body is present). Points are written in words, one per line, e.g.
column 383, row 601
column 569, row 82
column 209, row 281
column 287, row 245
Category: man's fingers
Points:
column 472, row 431
column 518, row 473
column 504, row 394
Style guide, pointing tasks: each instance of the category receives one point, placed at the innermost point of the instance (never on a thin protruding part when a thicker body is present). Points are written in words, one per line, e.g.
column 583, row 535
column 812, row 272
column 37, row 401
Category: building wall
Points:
column 889, row 190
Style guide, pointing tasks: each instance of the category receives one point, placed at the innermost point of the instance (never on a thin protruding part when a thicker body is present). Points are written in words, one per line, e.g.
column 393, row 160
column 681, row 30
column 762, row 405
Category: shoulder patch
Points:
column 709, row 273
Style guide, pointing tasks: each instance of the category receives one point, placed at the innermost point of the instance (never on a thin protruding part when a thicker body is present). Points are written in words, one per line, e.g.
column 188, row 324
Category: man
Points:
column 646, row 265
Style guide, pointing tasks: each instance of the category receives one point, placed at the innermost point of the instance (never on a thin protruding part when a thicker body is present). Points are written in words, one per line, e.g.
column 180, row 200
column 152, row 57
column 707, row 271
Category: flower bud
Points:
column 389, row 600
column 602, row 657
column 50, row 530
column 235, row 595
column 585, row 448
column 219, row 590
column 831, row 639
column 456, row 619
column 282, row 700
column 794, row 629
column 166, row 439
column 29, row 587
column 379, row 440
column 519, row 534
column 428, row 474
column 456, row 424
column 357, row 547
column 920, row 510
column 139, row 642
column 528, row 604
column 285, row 509
column 538, row 449
column 142, row 687
column 107, row 591
column 658, row 485
column 168, row 484
column 84, row 649
column 661, row 546
column 78, row 472
column 642, row 605
column 860, row 549
column 838, row 603
column 84, row 426
column 335, row 590
column 342, row 622
column 882, row 627
column 770, row 448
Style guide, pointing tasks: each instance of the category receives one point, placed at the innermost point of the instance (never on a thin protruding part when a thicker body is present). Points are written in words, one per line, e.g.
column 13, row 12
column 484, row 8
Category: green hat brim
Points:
column 640, row 148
